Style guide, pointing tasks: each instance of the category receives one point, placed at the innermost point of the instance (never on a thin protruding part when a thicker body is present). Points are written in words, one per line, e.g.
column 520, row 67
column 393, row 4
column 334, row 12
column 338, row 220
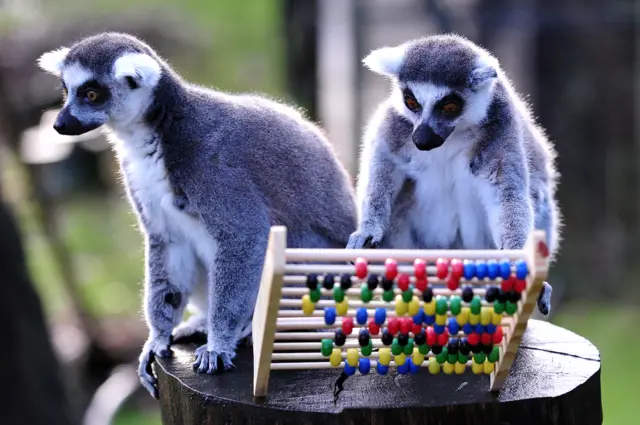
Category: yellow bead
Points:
column 441, row 319
column 414, row 306
column 352, row 357
column 447, row 368
column 336, row 357
column 485, row 315
column 417, row 357
column 463, row 317
column 401, row 306
column 342, row 307
column 434, row 366
column 307, row 305
column 488, row 367
column 496, row 319
column 430, row 308
column 400, row 359
column 474, row 319
column 460, row 368
column 477, row 368
column 384, row 356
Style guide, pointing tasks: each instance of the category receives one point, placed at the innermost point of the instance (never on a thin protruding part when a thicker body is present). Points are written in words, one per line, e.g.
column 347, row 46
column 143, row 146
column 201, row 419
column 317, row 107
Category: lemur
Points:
column 207, row 174
column 453, row 158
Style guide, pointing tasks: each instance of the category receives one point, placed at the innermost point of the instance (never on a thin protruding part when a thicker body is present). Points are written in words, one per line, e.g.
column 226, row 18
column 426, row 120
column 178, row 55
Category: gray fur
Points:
column 207, row 173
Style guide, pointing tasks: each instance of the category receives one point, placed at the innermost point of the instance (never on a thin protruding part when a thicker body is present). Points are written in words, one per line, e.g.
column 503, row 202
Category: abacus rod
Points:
column 294, row 314
column 304, row 346
column 356, row 303
column 319, row 336
column 298, row 324
column 310, row 254
column 328, row 365
column 298, row 292
column 302, row 269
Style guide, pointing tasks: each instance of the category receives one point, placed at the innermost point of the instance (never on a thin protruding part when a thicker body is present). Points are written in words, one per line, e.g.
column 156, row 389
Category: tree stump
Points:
column 555, row 379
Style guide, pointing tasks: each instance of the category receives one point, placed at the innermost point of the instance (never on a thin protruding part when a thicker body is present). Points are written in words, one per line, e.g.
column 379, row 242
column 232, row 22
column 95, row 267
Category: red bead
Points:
column 391, row 268
column 394, row 326
column 442, row 268
column 403, row 282
column 416, row 329
column 497, row 335
column 421, row 284
column 419, row 268
column 543, row 249
column 431, row 336
column 347, row 325
column 520, row 285
column 453, row 282
column 457, row 268
column 374, row 328
column 361, row 267
column 443, row 338
column 473, row 339
column 405, row 325
column 508, row 284
column 486, row 338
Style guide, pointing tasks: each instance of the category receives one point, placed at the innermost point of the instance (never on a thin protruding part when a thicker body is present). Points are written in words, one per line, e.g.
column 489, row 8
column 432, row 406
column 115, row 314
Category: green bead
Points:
column 494, row 356
column 338, row 294
column 365, row 293
column 498, row 307
column 476, row 304
column 456, row 305
column 366, row 350
column 424, row 349
column 479, row 357
column 388, row 296
column 407, row 295
column 511, row 308
column 408, row 349
column 314, row 295
column 442, row 357
column 441, row 304
column 327, row 347
column 462, row 358
column 452, row 358
column 395, row 347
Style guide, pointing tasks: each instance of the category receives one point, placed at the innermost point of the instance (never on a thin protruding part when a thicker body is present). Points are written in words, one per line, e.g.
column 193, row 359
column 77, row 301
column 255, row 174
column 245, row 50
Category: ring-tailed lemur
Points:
column 453, row 158
column 207, row 173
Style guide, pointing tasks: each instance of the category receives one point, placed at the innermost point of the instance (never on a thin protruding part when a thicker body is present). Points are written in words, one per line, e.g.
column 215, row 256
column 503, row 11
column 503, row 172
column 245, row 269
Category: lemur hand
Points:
column 159, row 347
column 367, row 237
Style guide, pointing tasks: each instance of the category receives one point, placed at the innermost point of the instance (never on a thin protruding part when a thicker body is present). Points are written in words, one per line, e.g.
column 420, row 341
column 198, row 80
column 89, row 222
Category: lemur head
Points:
column 107, row 78
column 440, row 82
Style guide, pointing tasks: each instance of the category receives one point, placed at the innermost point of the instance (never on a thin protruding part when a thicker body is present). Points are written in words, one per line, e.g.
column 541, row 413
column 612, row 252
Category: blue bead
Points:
column 469, row 269
column 467, row 328
column 491, row 328
column 481, row 269
column 521, row 269
column 429, row 320
column 329, row 315
column 453, row 326
column 418, row 318
column 505, row 269
column 479, row 329
column 380, row 315
column 413, row 368
column 439, row 329
column 492, row 269
column 348, row 369
column 364, row 365
column 361, row 316
column 382, row 369
column 404, row 368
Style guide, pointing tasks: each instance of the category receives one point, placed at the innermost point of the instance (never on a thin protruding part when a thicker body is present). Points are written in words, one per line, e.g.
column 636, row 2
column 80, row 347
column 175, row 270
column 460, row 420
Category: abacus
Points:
column 372, row 309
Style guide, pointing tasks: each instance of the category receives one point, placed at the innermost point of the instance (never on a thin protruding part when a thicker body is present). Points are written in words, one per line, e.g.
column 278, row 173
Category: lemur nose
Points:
column 425, row 138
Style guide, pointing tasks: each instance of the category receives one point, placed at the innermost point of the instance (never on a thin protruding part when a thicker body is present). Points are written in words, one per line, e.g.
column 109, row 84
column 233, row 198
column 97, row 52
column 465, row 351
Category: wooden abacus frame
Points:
column 277, row 264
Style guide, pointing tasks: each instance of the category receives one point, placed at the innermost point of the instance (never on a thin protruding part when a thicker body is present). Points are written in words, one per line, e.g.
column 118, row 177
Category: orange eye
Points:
column 411, row 103
column 450, row 108
column 91, row 95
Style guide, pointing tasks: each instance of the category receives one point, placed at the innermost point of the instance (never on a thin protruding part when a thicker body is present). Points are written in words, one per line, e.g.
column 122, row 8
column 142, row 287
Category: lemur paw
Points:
column 194, row 329
column 156, row 347
column 365, row 238
column 210, row 361
column 544, row 299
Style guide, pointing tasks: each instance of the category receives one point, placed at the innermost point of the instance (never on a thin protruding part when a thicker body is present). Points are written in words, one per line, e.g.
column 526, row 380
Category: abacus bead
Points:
column 491, row 328
column 474, row 319
column 396, row 348
column 429, row 319
column 477, row 368
column 494, row 355
column 408, row 349
column 455, row 304
column 387, row 338
column 439, row 329
column 479, row 329
column 434, row 366
column 345, row 281
column 382, row 369
column 505, row 269
column 314, row 295
column 498, row 307
column 441, row 304
column 514, row 296
column 497, row 335
column 307, row 305
column 469, row 269
column 403, row 369
column 485, row 315
column 443, row 338
column 403, row 340
column 457, row 268
column 431, row 336
column 507, row 284
column 387, row 296
column 452, row 358
column 441, row 319
column 453, row 346
column 338, row 294
column 387, row 284
column 442, row 355
column 327, row 347
column 361, row 316
column 418, row 318
column 521, row 269
column 420, row 338
column 347, row 325
column 487, row 348
column 366, row 294
column 473, row 339
column 424, row 349
column 413, row 368
column 372, row 282
column 520, row 285
column 419, row 268
column 401, row 306
column 479, row 357
column 329, row 315
column 394, row 326
column 476, row 305
column 364, row 366
column 496, row 318
column 421, row 284
column 447, row 368
column 312, row 281
column 459, row 368
column 486, row 339
column 340, row 338
column 361, row 267
column 342, row 307
column 349, row 370
column 336, row 357
column 442, row 268
column 488, row 368
column 464, row 347
column 491, row 294
column 390, row 268
column 492, row 269
column 467, row 328
column 467, row 293
column 328, row 281
column 511, row 308
column 463, row 358
column 380, row 315
column 407, row 296
column 427, row 295
column 414, row 306
column 463, row 317
column 503, row 296
column 367, row 349
column 417, row 358
column 363, row 337
column 453, row 326
column 400, row 359
column 481, row 270
column 436, row 349
column 384, row 356
column 430, row 307
column 403, row 282
column 453, row 283
column 352, row 357
column 416, row 329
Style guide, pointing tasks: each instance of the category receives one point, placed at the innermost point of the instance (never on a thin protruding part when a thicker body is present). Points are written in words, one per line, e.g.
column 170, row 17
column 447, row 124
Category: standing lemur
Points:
column 453, row 158
column 207, row 173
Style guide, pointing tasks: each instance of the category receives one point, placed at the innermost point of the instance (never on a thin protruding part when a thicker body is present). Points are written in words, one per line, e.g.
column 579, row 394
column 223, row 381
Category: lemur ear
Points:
column 386, row 60
column 138, row 68
column 481, row 76
column 53, row 61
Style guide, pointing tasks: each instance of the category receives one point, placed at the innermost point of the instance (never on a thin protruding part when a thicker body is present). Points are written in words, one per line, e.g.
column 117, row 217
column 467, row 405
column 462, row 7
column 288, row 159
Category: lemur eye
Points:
column 411, row 102
column 91, row 95
column 451, row 108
